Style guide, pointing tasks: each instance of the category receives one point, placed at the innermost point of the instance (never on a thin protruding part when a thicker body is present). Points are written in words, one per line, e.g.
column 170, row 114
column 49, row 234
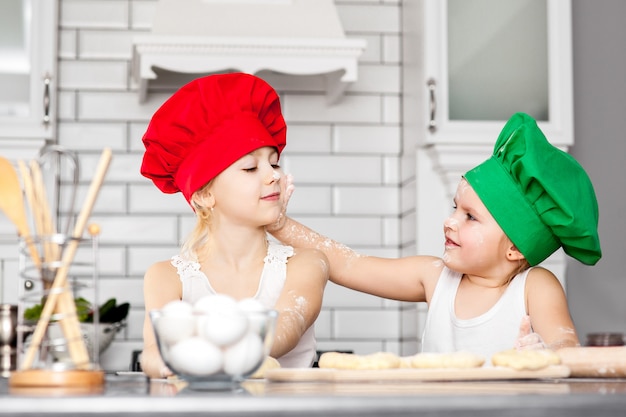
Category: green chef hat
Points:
column 539, row 195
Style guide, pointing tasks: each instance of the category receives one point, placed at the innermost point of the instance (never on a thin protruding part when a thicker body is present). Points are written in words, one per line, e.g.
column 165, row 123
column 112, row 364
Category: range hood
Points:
column 295, row 37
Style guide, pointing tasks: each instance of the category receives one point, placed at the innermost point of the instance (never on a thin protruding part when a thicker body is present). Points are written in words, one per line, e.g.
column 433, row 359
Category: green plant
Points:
column 108, row 312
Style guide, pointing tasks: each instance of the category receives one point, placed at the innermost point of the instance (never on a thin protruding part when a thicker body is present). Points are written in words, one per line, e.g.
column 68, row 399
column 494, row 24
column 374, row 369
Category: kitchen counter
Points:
column 134, row 395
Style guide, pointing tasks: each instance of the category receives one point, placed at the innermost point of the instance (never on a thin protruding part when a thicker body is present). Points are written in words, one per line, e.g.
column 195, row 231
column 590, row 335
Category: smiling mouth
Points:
column 450, row 243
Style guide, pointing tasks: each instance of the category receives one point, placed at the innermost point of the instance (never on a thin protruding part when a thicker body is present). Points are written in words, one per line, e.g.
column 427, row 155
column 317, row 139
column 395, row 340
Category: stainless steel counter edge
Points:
column 389, row 406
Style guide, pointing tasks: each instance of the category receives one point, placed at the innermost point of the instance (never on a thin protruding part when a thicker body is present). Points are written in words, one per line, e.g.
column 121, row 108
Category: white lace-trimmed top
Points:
column 196, row 285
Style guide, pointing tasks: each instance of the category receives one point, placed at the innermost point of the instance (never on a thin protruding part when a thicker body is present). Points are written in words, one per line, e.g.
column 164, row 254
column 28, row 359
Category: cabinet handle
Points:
column 432, row 105
column 46, row 99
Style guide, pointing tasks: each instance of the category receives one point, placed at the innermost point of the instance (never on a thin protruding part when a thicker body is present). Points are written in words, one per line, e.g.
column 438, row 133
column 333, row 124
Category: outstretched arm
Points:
column 402, row 279
column 405, row 279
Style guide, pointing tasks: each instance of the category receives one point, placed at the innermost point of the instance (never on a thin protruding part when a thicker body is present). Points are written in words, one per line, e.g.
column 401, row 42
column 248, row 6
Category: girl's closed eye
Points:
column 252, row 169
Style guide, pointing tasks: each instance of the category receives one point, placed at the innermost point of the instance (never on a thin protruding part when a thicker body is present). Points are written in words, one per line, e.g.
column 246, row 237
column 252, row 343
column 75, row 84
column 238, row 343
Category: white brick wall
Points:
column 353, row 182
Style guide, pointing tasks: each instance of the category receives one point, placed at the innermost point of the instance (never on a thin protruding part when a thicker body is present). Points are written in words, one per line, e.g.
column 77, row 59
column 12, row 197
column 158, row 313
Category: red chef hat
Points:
column 206, row 126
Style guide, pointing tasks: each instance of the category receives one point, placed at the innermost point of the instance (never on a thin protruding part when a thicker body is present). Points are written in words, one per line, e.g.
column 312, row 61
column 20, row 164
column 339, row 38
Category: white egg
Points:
column 251, row 304
column 255, row 311
column 223, row 327
column 177, row 308
column 214, row 302
column 195, row 356
column 173, row 329
column 244, row 356
column 176, row 322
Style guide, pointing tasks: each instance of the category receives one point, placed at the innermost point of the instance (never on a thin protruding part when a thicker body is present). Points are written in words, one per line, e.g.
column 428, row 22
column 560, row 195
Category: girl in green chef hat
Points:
column 486, row 293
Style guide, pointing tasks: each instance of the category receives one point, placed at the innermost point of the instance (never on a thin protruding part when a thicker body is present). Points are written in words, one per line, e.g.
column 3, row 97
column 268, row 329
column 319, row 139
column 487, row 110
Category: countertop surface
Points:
column 134, row 395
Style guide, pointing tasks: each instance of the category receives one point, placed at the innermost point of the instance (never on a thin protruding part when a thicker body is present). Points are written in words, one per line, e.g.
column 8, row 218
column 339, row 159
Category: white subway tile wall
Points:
column 354, row 175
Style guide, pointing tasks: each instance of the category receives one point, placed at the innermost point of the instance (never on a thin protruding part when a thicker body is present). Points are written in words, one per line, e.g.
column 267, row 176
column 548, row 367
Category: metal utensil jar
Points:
column 8, row 339
column 605, row 339
column 35, row 287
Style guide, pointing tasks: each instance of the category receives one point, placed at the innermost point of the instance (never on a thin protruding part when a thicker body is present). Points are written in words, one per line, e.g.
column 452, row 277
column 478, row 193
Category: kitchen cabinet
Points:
column 487, row 59
column 27, row 76
column 468, row 66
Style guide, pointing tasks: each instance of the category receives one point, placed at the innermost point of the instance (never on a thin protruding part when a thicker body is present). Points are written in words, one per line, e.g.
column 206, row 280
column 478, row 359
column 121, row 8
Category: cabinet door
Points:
column 487, row 59
column 27, row 75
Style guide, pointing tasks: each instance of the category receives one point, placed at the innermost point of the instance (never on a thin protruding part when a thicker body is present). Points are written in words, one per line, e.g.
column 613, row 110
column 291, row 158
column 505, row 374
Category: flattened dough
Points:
column 447, row 360
column 531, row 359
column 386, row 360
column 339, row 360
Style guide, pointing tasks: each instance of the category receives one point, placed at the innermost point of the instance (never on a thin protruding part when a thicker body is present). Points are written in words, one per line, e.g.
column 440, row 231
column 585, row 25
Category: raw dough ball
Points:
column 405, row 361
column 244, row 356
column 269, row 363
column 379, row 360
column 195, row 356
column 338, row 360
column 531, row 359
column 446, row 360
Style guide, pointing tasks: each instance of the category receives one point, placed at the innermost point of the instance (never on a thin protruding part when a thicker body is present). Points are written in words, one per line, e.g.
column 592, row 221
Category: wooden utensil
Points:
column 12, row 203
column 40, row 212
column 40, row 209
column 76, row 345
column 595, row 362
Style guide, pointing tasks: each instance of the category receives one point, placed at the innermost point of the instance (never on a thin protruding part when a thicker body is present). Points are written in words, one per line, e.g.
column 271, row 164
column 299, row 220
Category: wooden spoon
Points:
column 12, row 203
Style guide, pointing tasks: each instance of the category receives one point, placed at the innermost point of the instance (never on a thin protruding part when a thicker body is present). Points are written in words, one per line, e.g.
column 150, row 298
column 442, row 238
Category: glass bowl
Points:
column 213, row 348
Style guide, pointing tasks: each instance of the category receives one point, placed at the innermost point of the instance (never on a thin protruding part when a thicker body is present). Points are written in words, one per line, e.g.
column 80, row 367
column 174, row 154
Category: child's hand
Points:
column 286, row 191
column 527, row 339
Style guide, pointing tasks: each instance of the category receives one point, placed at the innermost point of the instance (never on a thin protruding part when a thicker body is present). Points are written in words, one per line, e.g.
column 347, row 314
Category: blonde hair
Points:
column 199, row 236
column 523, row 265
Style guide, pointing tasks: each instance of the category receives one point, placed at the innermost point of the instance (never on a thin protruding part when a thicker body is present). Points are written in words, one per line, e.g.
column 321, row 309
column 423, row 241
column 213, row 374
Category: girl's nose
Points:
column 450, row 223
column 274, row 176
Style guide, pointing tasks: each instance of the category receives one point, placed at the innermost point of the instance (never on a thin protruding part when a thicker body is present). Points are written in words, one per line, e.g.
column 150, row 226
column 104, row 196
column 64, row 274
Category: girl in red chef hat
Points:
column 217, row 140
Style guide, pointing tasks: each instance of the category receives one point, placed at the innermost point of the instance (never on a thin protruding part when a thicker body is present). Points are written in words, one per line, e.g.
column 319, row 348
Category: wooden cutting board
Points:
column 595, row 362
column 411, row 374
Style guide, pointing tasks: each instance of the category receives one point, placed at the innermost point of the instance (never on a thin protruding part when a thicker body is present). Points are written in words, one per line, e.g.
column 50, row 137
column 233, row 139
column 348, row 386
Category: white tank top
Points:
column 495, row 330
column 196, row 285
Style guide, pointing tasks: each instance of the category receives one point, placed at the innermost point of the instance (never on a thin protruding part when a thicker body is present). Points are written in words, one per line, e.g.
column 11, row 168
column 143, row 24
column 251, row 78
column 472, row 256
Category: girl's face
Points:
column 475, row 244
column 248, row 191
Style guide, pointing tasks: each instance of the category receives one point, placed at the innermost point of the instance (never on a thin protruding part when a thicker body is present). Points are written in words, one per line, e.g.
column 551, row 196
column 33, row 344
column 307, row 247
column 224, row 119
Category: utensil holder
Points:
column 55, row 357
